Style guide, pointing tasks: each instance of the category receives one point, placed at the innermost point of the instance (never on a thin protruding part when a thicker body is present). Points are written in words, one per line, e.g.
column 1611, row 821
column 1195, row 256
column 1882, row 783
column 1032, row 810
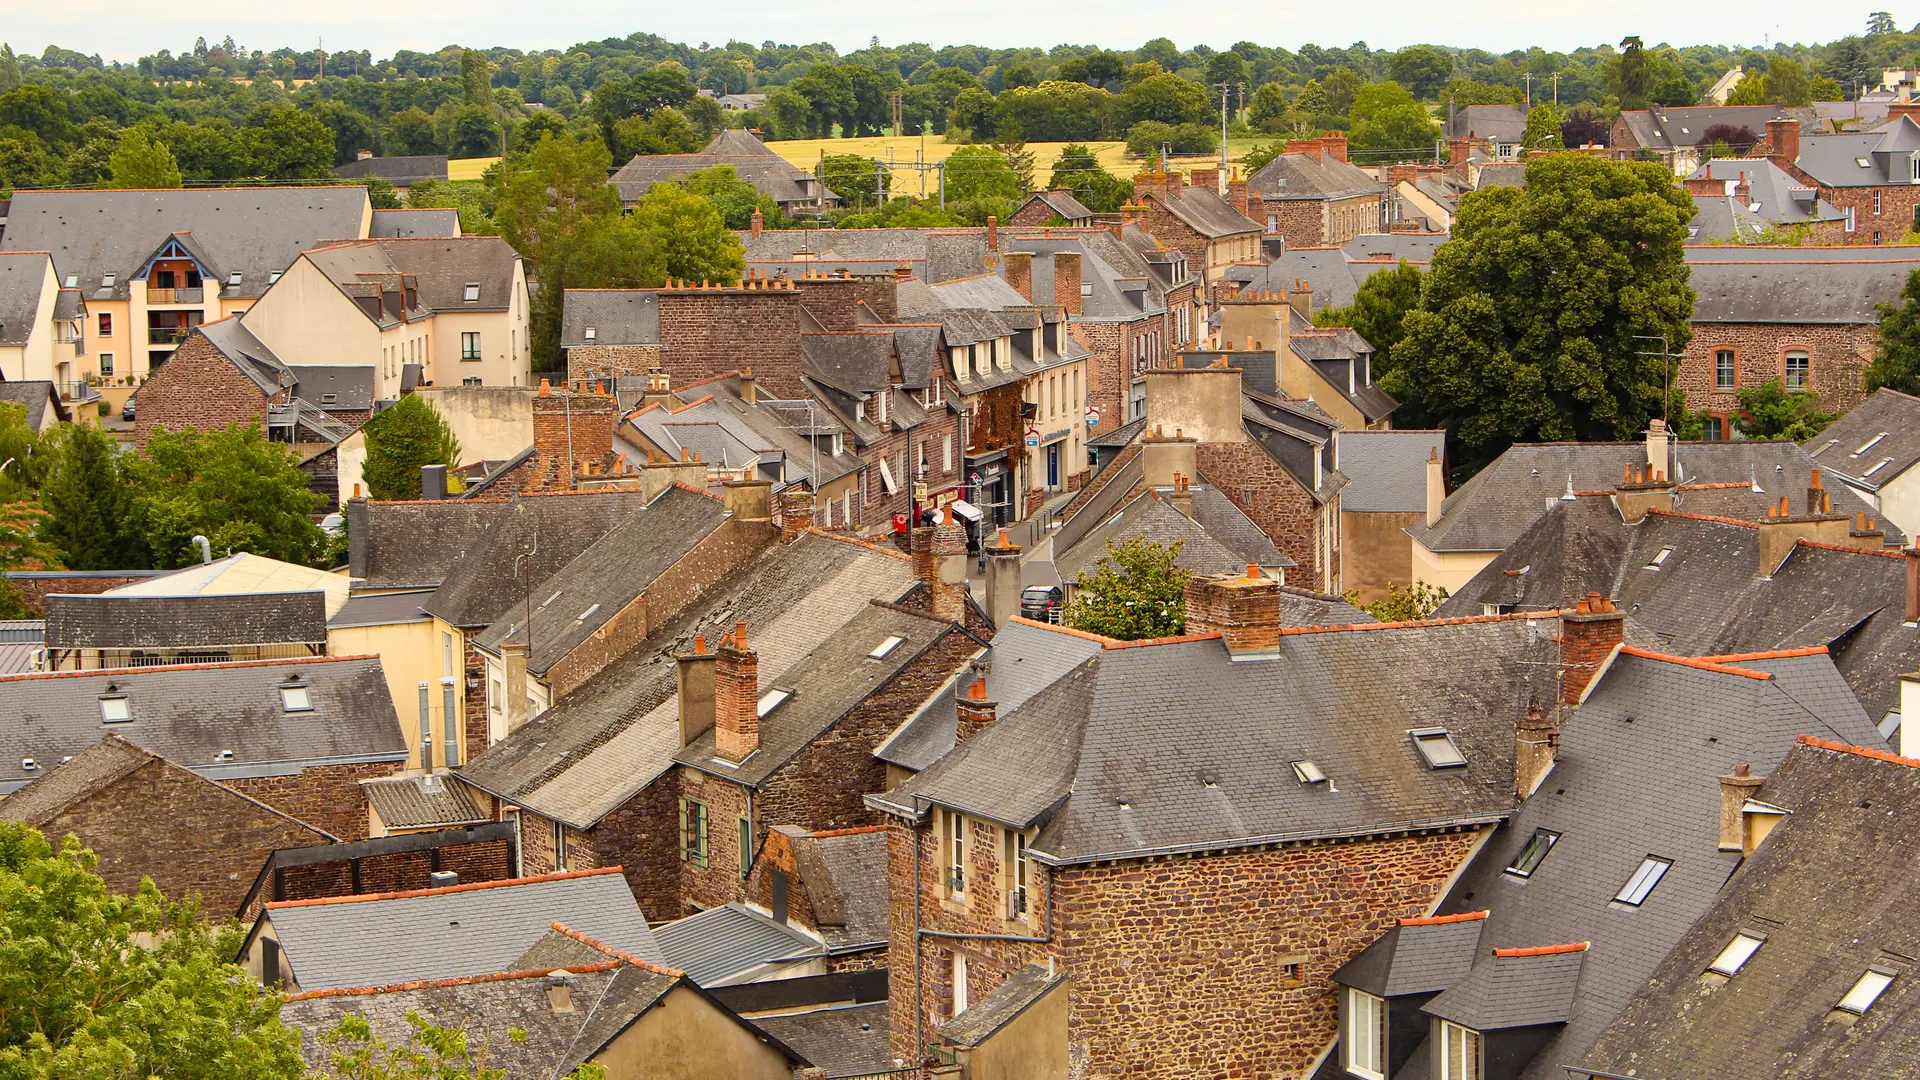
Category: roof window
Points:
column 881, row 650
column 589, row 334
column 329, row 399
column 1438, row 747
column 73, row 281
column 1863, row 163
column 587, row 614
column 773, row 699
column 27, row 764
column 296, row 699
column 1534, row 853
column 1309, row 773
column 233, row 278
column 1869, row 444
column 1884, row 462
column 115, row 709
column 1658, row 560
column 1736, row 954
column 107, row 281
column 472, row 292
column 1866, row 991
column 1640, row 885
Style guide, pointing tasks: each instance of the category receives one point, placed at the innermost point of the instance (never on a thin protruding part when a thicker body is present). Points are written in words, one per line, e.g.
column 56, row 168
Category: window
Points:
column 472, row 292
column 1309, row 773
column 73, row 281
column 469, row 344
column 956, row 853
column 108, row 281
column 1866, row 991
column 450, row 722
column 881, row 650
column 106, row 363
column 446, row 653
column 116, row 709
column 1876, row 202
column 1799, row 373
column 590, row 333
column 296, row 699
column 1883, row 463
column 693, row 832
column 946, row 453
column 499, row 695
column 273, row 277
column 959, row 983
column 1438, row 748
column 1850, row 219
column 1273, row 223
column 234, row 278
column 1736, row 954
column 559, row 846
column 1635, row 891
column 746, row 845
column 1723, row 369
column 1459, row 1052
column 1870, row 444
column 1364, row 1042
column 1016, row 874
column 773, row 699
column 1535, row 851
column 1659, row 559
column 106, row 324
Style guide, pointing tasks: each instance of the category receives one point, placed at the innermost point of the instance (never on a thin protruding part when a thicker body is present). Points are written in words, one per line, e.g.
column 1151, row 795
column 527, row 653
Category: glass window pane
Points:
column 1649, row 873
column 1530, row 857
column 1735, row 955
column 1865, row 992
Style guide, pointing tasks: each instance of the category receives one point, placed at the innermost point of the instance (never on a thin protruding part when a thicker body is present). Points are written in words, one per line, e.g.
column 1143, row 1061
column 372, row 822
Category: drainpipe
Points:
column 206, row 548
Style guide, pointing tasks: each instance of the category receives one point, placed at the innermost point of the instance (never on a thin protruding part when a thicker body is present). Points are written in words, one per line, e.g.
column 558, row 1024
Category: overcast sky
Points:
column 121, row 31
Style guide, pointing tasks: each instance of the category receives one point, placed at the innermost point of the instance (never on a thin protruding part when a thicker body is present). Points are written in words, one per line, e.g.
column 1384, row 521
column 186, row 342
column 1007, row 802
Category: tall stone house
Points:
column 1311, row 196
column 1869, row 175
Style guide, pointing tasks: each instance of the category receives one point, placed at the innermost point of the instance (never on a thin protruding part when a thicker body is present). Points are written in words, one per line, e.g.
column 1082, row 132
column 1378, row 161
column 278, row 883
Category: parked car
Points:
column 126, row 411
column 1040, row 603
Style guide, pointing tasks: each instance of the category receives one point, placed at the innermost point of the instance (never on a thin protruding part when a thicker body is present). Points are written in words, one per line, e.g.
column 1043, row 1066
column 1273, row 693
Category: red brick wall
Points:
column 488, row 860
column 474, row 704
column 325, row 796
column 197, row 388
column 708, row 332
column 832, row 300
column 1273, row 499
column 1839, row 357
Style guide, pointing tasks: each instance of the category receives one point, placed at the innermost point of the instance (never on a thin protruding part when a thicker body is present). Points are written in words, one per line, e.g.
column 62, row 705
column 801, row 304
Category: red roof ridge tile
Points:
column 1694, row 662
column 1458, row 620
column 1436, row 920
column 1859, row 751
column 463, row 980
column 1883, row 553
column 1058, row 629
column 855, row 831
column 471, row 886
column 559, row 927
column 702, row 400
column 25, row 675
column 1545, row 950
column 1703, row 517
column 1714, row 486
column 1176, row 639
column 1773, row 654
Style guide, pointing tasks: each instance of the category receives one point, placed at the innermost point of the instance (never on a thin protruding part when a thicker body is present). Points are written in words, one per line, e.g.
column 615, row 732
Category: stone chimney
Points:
column 1003, row 579
column 1459, row 153
column 659, row 390
column 571, row 429
column 1783, row 138
column 1659, row 444
column 949, row 556
column 749, row 500
column 1913, row 587
column 1301, row 297
column 513, row 657
column 1645, row 488
column 1735, row 789
column 661, row 473
column 693, row 681
column 993, row 233
column 1164, row 457
column 1782, row 530
column 974, row 712
column 1205, row 178
column 736, row 697
column 1243, row 610
column 1019, row 266
column 1066, row 281
column 796, row 513
column 756, row 223
column 1536, row 742
column 1588, row 638
column 1204, row 403
column 1865, row 533
column 1182, row 494
column 1436, row 485
column 749, row 387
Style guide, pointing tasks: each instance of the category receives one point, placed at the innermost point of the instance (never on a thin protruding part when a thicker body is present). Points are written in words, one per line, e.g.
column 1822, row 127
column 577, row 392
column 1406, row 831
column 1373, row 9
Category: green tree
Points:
column 1168, row 99
column 476, row 79
column 1135, row 591
column 1388, row 123
column 665, row 130
column 89, row 503
column 1078, row 171
column 98, row 985
column 139, row 163
column 1896, row 351
column 1824, row 88
column 1629, row 76
column 859, row 181
column 1379, row 311
column 735, row 198
column 1342, row 86
column 1261, row 156
column 232, row 486
column 286, row 144
column 1529, row 316
column 409, row 132
column 1770, row 411
column 473, row 132
column 1543, row 127
column 977, row 171
column 1673, row 91
column 1787, row 82
column 1423, row 69
column 557, row 210
column 681, row 237
column 9, row 69
column 1880, row 22
column 1411, row 604
column 402, row 438
column 1269, row 107
column 972, row 113
column 352, row 129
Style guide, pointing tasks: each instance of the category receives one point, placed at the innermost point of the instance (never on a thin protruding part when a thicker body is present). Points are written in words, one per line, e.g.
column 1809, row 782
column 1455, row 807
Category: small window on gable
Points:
column 1659, row 559
column 773, row 699
column 1736, row 954
column 1870, row 444
column 881, row 650
column 233, row 278
column 107, row 282
column 296, row 699
column 471, row 293
column 1086, row 288
column 1534, row 853
column 1438, row 747
column 1309, row 773
column 329, row 399
column 116, row 709
column 1866, row 991
column 1640, row 885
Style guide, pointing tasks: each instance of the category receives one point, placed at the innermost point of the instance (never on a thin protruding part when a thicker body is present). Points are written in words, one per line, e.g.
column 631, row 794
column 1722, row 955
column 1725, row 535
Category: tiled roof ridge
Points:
column 1545, row 950
column 1889, row 756
column 1883, row 553
column 1058, row 629
column 31, row 253
column 855, row 831
column 1547, row 613
column 1175, row 639
column 1436, row 920
column 471, row 886
column 1714, row 486
column 735, row 373
column 1703, row 517
column 875, row 547
column 1774, row 654
column 463, row 980
column 231, row 187
column 559, row 927
column 701, row 400
column 225, row 664
column 1694, row 662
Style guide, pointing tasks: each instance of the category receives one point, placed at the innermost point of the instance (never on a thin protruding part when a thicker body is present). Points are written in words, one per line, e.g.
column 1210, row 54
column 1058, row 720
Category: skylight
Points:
column 1869, row 444
column 472, row 292
column 589, row 333
column 233, row 278
column 1884, row 462
column 1825, row 446
column 1640, row 885
column 1866, row 991
column 1736, row 954
column 73, row 281
column 116, row 709
column 1438, row 748
column 296, row 699
column 773, row 699
column 1534, row 853
column 1659, row 560
column 587, row 614
column 107, row 281
column 1863, row 163
column 1309, row 773
column 273, row 277
column 881, row 650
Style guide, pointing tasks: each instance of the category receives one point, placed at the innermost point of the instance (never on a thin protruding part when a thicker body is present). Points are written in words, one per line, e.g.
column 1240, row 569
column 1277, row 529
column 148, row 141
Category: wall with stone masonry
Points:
column 325, row 796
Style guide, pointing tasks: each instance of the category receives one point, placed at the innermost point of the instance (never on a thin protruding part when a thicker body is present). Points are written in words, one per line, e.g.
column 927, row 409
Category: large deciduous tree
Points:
column 680, row 236
column 1896, row 351
column 1379, row 311
column 558, row 211
column 400, row 440
column 140, row 163
column 1532, row 318
column 1135, row 591
column 232, row 486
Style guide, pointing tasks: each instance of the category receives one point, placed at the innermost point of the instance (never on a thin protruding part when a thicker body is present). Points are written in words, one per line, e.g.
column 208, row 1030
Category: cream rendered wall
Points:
column 491, row 422
column 409, row 654
column 1899, row 501
column 36, row 359
column 1450, row 570
column 505, row 349
column 1069, row 410
column 306, row 320
column 687, row 1037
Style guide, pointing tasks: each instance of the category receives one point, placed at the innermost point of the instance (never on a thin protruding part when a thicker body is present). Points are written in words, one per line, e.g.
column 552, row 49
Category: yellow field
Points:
column 468, row 168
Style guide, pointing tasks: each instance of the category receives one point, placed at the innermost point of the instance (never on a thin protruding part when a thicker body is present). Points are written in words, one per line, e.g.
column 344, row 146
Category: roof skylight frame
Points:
column 116, row 709
column 1436, row 745
column 1870, row 443
column 235, row 277
column 1884, row 462
column 1646, row 877
column 773, row 699
column 1738, row 951
column 1527, row 862
column 471, row 292
column 1308, row 772
column 108, row 280
column 1866, row 990
column 1659, row 559
column 296, row 697
column 887, row 645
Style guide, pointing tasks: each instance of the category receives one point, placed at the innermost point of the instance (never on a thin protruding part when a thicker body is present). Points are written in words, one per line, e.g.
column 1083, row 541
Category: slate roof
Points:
column 780, row 432
column 750, row 158
column 1775, row 199
column 231, row 338
column 1336, row 274
column 848, row 887
column 380, row 939
column 334, row 387
column 413, row 545
column 421, row 802
column 1830, row 904
column 1118, row 758
column 1062, row 203
column 443, row 267
column 192, row 714
column 935, row 255
column 1765, row 288
column 1343, row 360
column 1388, row 469
column 1835, row 160
column 1881, row 435
column 1515, row 988
column 34, row 395
column 1664, row 128
column 1416, row 956
column 529, row 541
column 1150, row 516
column 1504, row 123
column 110, row 621
column 607, row 739
column 398, row 171
column 731, row 944
column 1635, row 776
column 616, row 317
column 998, row 1009
column 380, row 609
column 254, row 231
column 846, row 1040
column 1205, row 212
column 23, row 275
column 1306, row 176
column 406, row 224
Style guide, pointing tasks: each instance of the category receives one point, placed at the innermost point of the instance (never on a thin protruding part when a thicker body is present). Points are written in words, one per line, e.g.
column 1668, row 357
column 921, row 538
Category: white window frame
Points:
column 1469, row 1043
column 1736, row 954
column 1786, row 370
column 956, row 861
column 1851, row 224
column 1733, row 369
column 1363, row 1038
column 1866, row 990
column 1646, row 878
column 960, row 996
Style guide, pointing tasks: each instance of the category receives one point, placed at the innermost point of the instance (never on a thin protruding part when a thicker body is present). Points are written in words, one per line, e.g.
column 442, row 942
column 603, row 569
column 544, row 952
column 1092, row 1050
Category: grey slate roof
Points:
column 406, row 224
column 1306, row 176
column 933, row 255
column 1151, row 517
column 248, row 353
column 250, row 231
column 1504, row 123
column 1514, row 991
column 1830, row 904
column 1636, row 776
column 1336, row 274
column 443, row 267
column 731, row 943
column 420, row 802
column 412, row 545
column 1387, row 469
column 1119, row 757
column 1416, row 956
column 846, row 1040
column 1205, row 212
column 1007, row 1001
column 851, row 902
column 750, row 158
column 1881, row 434
column 110, row 621
column 1775, row 199
column 1843, row 290
column 398, row 171
column 387, row 938
column 380, row 609
column 1062, row 203
column 1887, row 151
column 616, row 317
column 23, row 276
column 530, row 540
column 334, row 387
column 192, row 714
column 34, row 395
column 1668, row 128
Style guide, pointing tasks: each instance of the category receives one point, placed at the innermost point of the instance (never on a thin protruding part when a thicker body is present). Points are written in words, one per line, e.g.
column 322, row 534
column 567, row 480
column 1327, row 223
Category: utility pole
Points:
column 1224, row 91
column 1529, row 80
column 320, row 50
column 1556, row 90
column 896, row 100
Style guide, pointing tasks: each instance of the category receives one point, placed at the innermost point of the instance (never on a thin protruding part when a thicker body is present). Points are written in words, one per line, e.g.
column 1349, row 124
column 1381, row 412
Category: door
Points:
column 1053, row 467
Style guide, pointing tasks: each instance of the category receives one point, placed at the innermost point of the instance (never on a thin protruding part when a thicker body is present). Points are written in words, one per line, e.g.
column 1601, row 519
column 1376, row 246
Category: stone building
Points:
column 1311, row 196
column 1867, row 175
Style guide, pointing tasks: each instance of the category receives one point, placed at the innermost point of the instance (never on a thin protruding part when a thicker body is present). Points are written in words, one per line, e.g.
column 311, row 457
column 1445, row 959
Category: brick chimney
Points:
column 1003, row 579
column 1335, row 144
column 1865, row 533
column 1536, row 742
column 1913, row 585
column 1436, row 485
column 1735, row 789
column 1243, row 610
column 693, row 682
column 1743, row 189
column 1066, row 281
column 749, row 500
column 974, row 712
column 1237, row 193
column 1313, row 148
column 948, row 599
column 993, row 233
column 736, row 697
column 756, row 223
column 1459, row 153
column 571, row 429
column 1205, row 178
column 659, row 389
column 1019, row 266
column 796, row 513
column 1783, row 138
column 1588, row 639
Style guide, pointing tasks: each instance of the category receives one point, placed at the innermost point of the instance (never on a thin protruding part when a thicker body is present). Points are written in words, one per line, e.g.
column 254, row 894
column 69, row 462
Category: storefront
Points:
column 990, row 486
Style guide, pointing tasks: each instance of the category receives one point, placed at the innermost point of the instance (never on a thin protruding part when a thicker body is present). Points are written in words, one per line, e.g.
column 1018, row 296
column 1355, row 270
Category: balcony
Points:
column 175, row 296
column 168, row 335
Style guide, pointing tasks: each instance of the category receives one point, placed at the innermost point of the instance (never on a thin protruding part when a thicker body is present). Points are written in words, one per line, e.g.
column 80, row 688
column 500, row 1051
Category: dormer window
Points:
column 1866, row 991
column 115, row 709
column 296, row 699
column 471, row 293
column 1438, row 747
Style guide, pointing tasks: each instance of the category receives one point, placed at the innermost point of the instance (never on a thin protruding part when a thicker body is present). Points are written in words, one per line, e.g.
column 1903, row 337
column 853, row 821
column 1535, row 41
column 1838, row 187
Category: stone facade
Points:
column 611, row 361
column 1320, row 222
column 401, row 871
column 1275, row 501
column 1838, row 357
column 324, row 796
column 34, row 586
column 197, row 388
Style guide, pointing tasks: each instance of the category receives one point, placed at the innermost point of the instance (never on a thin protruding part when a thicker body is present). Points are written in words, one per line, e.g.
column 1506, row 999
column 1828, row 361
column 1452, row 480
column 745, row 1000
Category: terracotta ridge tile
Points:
column 1436, row 920
column 1850, row 549
column 1176, row 639
column 1775, row 654
column 223, row 665
column 702, row 400
column 559, row 927
column 875, row 546
column 1058, row 629
column 1860, row 751
column 1694, row 662
column 855, row 831
column 464, row 980
column 1545, row 950
column 471, row 886
column 1548, row 613
column 1714, row 486
column 1703, row 517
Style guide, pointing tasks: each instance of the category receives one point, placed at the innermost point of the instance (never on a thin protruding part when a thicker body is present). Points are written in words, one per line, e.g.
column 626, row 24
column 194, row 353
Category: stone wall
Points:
column 1838, row 354
column 34, row 590
column 325, row 796
column 585, row 362
column 718, row 882
column 1273, row 499
column 198, row 388
column 1881, row 220
column 400, row 871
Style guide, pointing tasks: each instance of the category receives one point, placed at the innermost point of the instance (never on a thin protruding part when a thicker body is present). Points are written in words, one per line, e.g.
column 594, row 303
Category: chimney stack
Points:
column 948, row 599
column 993, row 232
column 1735, row 789
column 1003, row 579
column 1019, row 266
column 749, row 500
column 1182, row 494
column 433, row 482
column 1243, row 610
column 736, row 697
column 974, row 712
column 1588, row 638
column 1913, row 585
column 749, row 388
column 1066, row 281
column 659, row 389
column 1910, row 706
column 1646, row 488
column 1164, row 457
column 1436, row 485
column 796, row 513
column 513, row 657
column 1816, row 497
column 693, row 680
column 1536, row 742
column 1783, row 135
column 1658, row 441
column 572, row 430
column 757, row 223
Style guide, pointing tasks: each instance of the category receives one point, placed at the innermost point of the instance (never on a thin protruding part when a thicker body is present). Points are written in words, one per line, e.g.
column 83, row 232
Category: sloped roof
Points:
column 1835, row 160
column 750, row 158
column 1016, row 995
column 1766, row 289
column 1416, row 956
column 421, row 802
column 1062, row 203
column 616, row 317
column 1881, row 435
column 398, row 171
column 231, row 338
column 406, row 224
column 1505, row 123
column 1205, row 212
column 413, row 545
column 844, row 1040
column 23, row 277
column 1307, row 176
column 241, row 572
column 731, row 943
column 1516, row 988
column 35, row 396
column 1388, row 469
column 118, row 621
column 1151, row 517
column 529, row 542
column 848, row 886
column 1774, row 199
